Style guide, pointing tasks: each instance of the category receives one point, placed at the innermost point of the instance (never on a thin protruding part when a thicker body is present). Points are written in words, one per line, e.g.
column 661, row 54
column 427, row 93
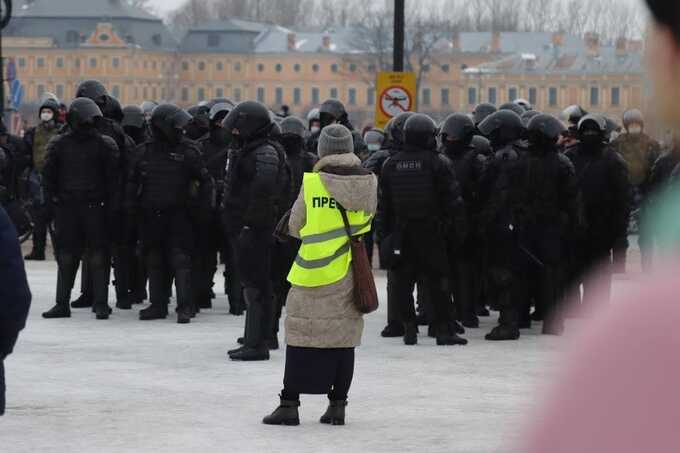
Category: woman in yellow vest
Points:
column 322, row 324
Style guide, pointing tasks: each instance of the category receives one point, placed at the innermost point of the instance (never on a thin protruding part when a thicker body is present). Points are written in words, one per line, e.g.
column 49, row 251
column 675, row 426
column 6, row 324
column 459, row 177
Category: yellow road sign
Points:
column 396, row 94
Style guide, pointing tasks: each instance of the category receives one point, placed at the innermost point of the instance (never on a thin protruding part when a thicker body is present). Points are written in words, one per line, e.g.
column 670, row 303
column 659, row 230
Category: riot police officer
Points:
column 80, row 181
column 214, row 147
column 254, row 191
column 552, row 213
column 134, row 124
column 482, row 111
column 603, row 184
column 199, row 125
column 572, row 116
column 36, row 140
column 333, row 111
column 159, row 187
column 501, row 196
column 640, row 152
column 457, row 133
column 420, row 206
column 292, row 138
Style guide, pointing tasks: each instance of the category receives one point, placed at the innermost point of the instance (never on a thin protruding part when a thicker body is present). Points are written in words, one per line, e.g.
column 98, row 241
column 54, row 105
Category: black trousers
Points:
column 208, row 234
column 253, row 251
column 507, row 287
column 283, row 256
column 317, row 371
column 42, row 216
column 2, row 386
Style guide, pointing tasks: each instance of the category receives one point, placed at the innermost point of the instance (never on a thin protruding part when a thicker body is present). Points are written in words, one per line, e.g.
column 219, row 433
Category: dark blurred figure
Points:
column 15, row 295
column 333, row 111
column 199, row 125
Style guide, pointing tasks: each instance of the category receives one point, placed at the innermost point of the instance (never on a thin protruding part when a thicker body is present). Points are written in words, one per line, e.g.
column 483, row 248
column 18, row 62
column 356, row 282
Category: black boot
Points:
column 447, row 338
column 184, row 296
column 286, row 414
column 410, row 334
column 154, row 311
column 483, row 312
column 184, row 315
column 102, row 311
column 255, row 348
column 84, row 301
column 35, row 255
column 393, row 330
column 124, row 303
column 247, row 354
column 273, row 343
column 335, row 414
column 234, row 351
column 503, row 333
column 471, row 322
column 58, row 311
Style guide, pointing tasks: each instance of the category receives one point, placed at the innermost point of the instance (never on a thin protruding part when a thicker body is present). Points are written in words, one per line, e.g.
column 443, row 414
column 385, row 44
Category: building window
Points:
column 334, row 93
column 512, row 94
column 278, row 67
column 552, row 96
column 426, row 68
column 201, row 65
column 93, row 62
column 219, row 92
column 220, row 66
column 146, row 64
column 427, row 96
column 60, row 62
column 136, row 91
column 260, row 67
column 594, row 96
column 60, row 91
column 164, row 93
column 104, row 37
column 297, row 96
column 279, row 95
column 533, row 98
column 334, row 68
column 213, row 40
column 315, row 67
column 296, row 67
column 316, row 96
column 185, row 66
column 237, row 67
column 72, row 36
column 446, row 96
column 154, row 65
column 41, row 90
column 40, row 62
column 616, row 96
column 237, row 94
column 76, row 62
column 145, row 92
column 260, row 94
column 370, row 96
column 154, row 93
column 352, row 96
column 472, row 96
column 22, row 62
column 446, row 68
column 201, row 94
column 157, row 40
column 115, row 91
column 352, row 67
column 115, row 62
column 493, row 97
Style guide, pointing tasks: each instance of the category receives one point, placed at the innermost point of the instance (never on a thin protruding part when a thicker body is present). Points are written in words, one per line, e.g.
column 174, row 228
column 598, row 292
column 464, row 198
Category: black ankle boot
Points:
column 393, row 330
column 154, row 311
column 58, row 311
column 410, row 334
column 286, row 414
column 83, row 301
column 335, row 414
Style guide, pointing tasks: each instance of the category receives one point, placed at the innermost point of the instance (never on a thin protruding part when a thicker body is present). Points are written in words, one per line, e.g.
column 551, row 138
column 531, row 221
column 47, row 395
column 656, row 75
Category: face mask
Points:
column 591, row 141
column 373, row 147
column 454, row 147
column 315, row 129
column 635, row 130
column 46, row 116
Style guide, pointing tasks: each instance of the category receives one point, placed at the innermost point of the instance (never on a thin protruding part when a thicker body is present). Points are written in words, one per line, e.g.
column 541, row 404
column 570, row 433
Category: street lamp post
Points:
column 399, row 25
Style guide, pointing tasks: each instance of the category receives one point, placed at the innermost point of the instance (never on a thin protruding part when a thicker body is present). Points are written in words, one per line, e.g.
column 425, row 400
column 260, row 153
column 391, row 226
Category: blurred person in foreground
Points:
column 627, row 399
column 323, row 326
column 15, row 296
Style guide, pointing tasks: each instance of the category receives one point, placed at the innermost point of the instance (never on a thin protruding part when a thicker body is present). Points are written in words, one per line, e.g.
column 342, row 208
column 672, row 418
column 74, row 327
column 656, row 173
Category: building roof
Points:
column 71, row 22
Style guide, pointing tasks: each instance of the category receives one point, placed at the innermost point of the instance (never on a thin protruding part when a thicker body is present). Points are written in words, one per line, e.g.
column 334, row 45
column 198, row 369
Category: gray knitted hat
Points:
column 335, row 139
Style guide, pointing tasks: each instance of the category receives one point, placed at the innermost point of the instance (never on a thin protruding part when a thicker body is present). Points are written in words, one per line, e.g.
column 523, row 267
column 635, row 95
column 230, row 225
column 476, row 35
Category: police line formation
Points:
column 504, row 208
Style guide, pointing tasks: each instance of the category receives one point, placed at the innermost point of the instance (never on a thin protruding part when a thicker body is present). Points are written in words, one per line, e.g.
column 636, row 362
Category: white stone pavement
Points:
column 81, row 385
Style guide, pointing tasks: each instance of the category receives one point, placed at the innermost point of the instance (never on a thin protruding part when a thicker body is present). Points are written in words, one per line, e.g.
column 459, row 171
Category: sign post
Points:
column 396, row 94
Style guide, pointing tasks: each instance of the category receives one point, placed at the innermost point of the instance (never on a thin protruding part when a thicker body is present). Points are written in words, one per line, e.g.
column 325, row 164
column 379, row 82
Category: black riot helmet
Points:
column 51, row 104
column 459, row 128
column 93, row 89
column 83, row 114
column 421, row 131
column 573, row 115
column 397, row 128
column 527, row 117
column 482, row 111
column 292, row 125
column 248, row 120
column 526, row 105
column 482, row 145
column 113, row 110
column 314, row 116
column 545, row 130
column 168, row 122
column 375, row 139
column 133, row 116
column 592, row 130
column 518, row 109
column 633, row 116
column 147, row 107
column 332, row 111
column 502, row 127
column 220, row 110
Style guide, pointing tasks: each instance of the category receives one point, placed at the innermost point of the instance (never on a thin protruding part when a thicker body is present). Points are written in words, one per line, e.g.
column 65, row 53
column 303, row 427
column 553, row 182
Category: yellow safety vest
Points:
column 324, row 256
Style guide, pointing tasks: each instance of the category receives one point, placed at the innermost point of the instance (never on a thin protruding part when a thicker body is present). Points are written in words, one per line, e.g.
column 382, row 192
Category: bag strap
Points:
column 343, row 213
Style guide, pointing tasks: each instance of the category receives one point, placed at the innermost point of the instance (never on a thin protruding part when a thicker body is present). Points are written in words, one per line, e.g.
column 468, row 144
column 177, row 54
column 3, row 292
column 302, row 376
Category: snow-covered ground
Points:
column 122, row 385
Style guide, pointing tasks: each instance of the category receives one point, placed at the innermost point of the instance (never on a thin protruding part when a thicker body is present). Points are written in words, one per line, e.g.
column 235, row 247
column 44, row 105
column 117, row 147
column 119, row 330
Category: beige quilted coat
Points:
column 325, row 317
